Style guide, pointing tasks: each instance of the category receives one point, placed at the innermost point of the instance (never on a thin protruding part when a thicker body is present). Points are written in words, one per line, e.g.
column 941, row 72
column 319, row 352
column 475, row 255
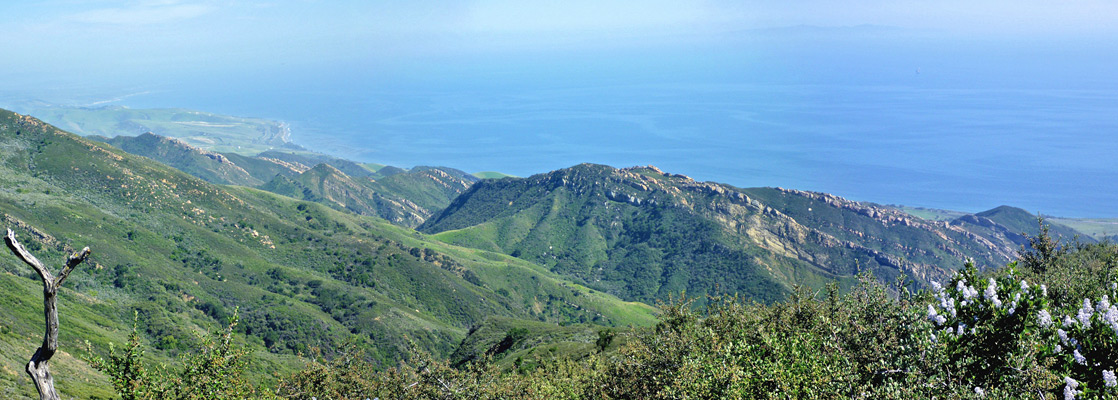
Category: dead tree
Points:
column 38, row 368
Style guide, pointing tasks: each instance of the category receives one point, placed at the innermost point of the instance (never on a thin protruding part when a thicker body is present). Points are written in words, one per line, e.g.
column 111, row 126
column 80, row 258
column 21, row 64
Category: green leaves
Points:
column 216, row 370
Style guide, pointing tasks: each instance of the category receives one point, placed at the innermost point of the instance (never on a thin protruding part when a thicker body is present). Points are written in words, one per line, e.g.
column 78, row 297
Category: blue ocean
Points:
column 964, row 128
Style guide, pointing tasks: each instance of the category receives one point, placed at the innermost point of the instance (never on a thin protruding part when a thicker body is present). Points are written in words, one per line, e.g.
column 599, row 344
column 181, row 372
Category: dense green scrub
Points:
column 182, row 254
column 1042, row 327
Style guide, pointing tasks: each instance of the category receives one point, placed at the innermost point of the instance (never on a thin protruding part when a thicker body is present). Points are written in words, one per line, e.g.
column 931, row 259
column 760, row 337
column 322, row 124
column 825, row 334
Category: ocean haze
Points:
column 870, row 112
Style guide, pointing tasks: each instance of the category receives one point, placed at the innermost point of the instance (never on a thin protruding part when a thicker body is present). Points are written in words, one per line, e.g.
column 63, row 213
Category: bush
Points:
column 216, row 371
column 1041, row 328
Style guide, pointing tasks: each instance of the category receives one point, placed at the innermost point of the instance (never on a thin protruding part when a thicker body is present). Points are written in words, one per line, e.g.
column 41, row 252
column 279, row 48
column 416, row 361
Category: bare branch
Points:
column 26, row 256
column 71, row 262
column 39, row 366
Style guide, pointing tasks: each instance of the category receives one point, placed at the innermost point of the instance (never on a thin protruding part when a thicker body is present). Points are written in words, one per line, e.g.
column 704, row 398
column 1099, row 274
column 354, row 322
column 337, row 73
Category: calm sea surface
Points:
column 887, row 125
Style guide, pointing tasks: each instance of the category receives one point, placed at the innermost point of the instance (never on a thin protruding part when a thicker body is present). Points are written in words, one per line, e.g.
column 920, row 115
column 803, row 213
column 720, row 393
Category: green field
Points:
column 931, row 214
column 492, row 175
column 1098, row 228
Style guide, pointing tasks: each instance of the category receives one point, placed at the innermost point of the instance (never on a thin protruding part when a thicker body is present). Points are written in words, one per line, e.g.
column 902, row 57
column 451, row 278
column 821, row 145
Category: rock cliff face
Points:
column 643, row 234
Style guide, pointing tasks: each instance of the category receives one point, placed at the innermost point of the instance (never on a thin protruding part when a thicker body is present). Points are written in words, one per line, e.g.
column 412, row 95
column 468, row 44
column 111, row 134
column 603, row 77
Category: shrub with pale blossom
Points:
column 983, row 331
column 996, row 335
column 1085, row 347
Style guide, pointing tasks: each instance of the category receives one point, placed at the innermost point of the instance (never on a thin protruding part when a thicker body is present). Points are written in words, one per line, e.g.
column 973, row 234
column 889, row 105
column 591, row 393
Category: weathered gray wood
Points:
column 39, row 366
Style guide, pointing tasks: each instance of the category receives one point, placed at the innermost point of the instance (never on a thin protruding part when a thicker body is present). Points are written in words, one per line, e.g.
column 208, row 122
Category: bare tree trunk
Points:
column 38, row 368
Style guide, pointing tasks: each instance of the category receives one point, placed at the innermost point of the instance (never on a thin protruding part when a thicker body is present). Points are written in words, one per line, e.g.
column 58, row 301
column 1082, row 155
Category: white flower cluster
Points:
column 1068, row 322
column 1064, row 339
column 1069, row 388
column 944, row 309
column 934, row 316
column 1084, row 315
column 1108, row 313
column 958, row 304
column 1044, row 319
column 991, row 293
column 947, row 303
column 1017, row 297
column 1088, row 315
column 969, row 292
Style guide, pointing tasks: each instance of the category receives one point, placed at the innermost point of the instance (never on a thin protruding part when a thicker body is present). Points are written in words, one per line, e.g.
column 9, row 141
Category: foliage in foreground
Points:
column 215, row 372
column 1041, row 328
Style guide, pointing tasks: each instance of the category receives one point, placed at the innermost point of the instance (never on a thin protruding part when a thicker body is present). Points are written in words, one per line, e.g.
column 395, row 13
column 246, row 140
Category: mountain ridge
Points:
column 404, row 197
column 778, row 236
column 183, row 253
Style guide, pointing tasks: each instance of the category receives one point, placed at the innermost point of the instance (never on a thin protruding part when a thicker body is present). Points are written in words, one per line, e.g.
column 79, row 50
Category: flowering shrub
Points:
column 985, row 325
column 1044, row 328
column 1010, row 333
column 1084, row 346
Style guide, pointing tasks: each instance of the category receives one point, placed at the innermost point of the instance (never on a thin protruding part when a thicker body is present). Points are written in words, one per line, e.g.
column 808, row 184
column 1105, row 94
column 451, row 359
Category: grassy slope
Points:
column 583, row 223
column 643, row 234
column 510, row 342
column 492, row 175
column 403, row 197
column 212, row 167
column 183, row 253
column 1097, row 228
column 931, row 214
column 1017, row 224
column 309, row 160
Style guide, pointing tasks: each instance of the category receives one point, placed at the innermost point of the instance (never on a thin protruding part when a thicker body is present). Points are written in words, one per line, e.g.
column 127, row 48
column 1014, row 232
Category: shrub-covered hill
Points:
column 210, row 166
column 643, row 234
column 519, row 345
column 403, row 197
column 1014, row 225
column 182, row 254
column 1044, row 327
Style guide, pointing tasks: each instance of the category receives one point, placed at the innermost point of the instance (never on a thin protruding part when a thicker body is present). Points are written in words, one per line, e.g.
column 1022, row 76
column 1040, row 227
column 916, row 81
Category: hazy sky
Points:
column 114, row 40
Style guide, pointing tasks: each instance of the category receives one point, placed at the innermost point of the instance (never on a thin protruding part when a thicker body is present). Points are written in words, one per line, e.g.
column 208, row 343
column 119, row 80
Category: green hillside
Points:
column 643, row 234
column 406, row 198
column 210, row 166
column 492, row 175
column 1017, row 224
column 403, row 197
column 306, row 160
column 1097, row 228
column 183, row 253
column 520, row 345
column 430, row 188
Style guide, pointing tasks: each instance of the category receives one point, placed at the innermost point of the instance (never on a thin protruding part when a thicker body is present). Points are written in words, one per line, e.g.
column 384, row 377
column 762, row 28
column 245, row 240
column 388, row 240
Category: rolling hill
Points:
column 182, row 254
column 643, row 234
column 403, row 197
